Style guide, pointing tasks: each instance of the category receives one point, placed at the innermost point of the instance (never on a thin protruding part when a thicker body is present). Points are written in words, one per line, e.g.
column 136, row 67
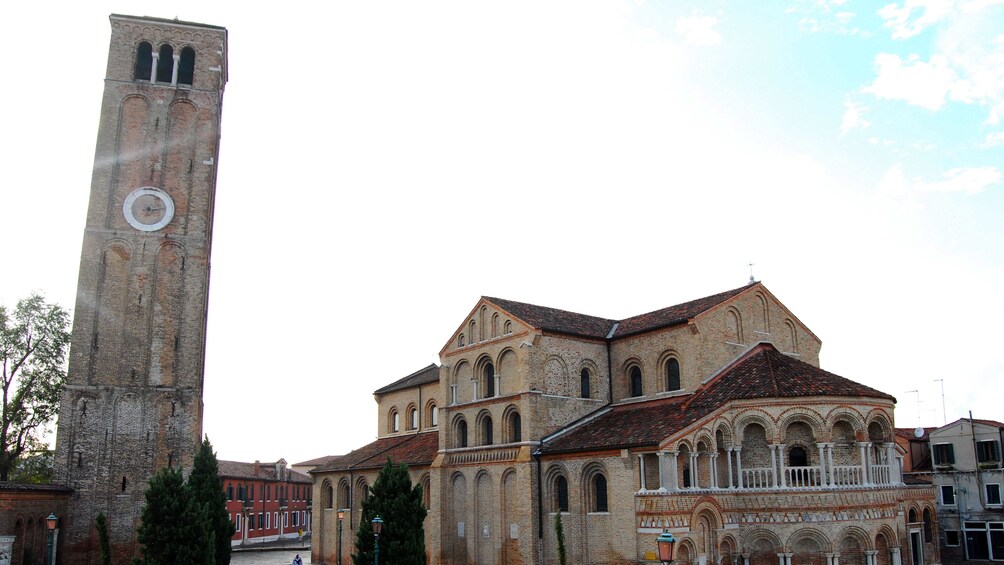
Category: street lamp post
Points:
column 50, row 525
column 377, row 528
column 341, row 514
column 665, row 542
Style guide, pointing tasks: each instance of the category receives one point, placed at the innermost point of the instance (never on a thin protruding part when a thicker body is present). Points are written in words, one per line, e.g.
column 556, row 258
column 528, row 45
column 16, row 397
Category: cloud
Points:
column 914, row 16
column 994, row 139
column 699, row 30
column 971, row 180
column 925, row 84
column 853, row 117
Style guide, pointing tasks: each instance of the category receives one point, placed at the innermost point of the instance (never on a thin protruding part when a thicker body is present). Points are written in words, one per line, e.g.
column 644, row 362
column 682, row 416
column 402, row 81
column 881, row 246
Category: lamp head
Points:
column 377, row 526
column 51, row 522
column 665, row 542
column 341, row 513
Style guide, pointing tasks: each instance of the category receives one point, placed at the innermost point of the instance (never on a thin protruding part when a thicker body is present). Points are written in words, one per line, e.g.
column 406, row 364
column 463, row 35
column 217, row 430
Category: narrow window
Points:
column 123, row 483
column 672, row 375
column 635, row 381
column 987, row 451
column 508, row 327
column 165, row 64
column 489, row 380
column 686, row 477
column 516, row 424
column 600, row 487
column 433, row 416
column 186, row 66
column 395, row 422
column 144, row 62
column 947, row 495
column 414, row 419
column 486, row 431
column 462, row 433
column 993, row 495
column 230, row 491
column 170, row 460
column 584, row 383
column 561, row 492
column 460, row 340
column 927, row 525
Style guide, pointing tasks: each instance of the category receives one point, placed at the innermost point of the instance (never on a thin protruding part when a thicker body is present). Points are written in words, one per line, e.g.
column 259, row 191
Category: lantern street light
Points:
column 377, row 528
column 341, row 514
column 50, row 525
column 665, row 542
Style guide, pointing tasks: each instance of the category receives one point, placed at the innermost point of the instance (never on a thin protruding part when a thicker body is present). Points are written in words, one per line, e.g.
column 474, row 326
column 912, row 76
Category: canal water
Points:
column 268, row 557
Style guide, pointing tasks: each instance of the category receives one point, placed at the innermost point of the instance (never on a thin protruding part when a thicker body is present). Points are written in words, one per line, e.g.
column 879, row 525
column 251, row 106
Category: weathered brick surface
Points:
column 133, row 400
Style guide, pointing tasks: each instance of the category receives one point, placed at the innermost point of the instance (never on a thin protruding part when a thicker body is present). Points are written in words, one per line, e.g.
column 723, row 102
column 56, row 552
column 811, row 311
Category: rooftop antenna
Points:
column 752, row 280
column 944, row 417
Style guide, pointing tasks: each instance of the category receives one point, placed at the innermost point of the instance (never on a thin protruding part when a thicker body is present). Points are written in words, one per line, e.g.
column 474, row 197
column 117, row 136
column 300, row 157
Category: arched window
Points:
column 186, row 66
column 797, row 457
column 489, row 372
column 561, row 494
column 395, row 421
column 600, row 493
column 928, row 527
column 413, row 418
column 486, row 431
column 495, row 325
column 635, row 373
column 343, row 495
column 460, row 340
column 329, row 496
column 672, row 374
column 165, row 63
column 230, row 491
column 911, row 517
column 144, row 62
column 584, row 383
column 461, row 433
column 515, row 427
column 508, row 327
column 433, row 416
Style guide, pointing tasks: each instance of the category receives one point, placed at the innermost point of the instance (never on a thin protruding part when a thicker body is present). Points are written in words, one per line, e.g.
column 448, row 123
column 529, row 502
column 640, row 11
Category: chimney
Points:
column 255, row 467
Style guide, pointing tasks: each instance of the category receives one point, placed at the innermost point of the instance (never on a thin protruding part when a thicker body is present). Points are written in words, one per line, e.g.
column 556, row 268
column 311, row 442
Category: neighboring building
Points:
column 711, row 419
column 968, row 478
column 266, row 501
column 311, row 464
column 132, row 403
column 23, row 512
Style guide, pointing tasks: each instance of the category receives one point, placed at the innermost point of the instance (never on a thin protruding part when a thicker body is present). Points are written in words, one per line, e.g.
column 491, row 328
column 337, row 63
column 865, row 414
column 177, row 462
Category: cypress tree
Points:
column 399, row 505
column 210, row 505
column 165, row 527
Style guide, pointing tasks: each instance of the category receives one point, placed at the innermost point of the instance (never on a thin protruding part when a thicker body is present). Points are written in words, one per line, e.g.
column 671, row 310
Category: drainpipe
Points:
column 976, row 460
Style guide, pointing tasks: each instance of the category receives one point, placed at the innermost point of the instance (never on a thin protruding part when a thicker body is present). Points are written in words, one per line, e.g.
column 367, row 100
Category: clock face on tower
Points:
column 148, row 208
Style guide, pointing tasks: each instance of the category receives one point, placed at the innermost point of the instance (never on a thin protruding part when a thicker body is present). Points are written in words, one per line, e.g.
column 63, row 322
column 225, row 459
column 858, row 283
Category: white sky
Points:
column 383, row 165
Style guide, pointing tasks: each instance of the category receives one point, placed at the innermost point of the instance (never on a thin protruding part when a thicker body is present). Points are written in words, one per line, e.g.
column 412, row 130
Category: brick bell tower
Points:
column 133, row 399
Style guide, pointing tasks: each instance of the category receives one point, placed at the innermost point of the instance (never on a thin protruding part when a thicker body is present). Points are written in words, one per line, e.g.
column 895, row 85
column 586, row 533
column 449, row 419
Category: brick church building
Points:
column 710, row 419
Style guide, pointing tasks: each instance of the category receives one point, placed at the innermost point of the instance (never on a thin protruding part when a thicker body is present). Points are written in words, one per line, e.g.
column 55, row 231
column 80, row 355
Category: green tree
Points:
column 165, row 529
column 399, row 505
column 34, row 339
column 33, row 468
column 206, row 487
column 104, row 543
column 559, row 532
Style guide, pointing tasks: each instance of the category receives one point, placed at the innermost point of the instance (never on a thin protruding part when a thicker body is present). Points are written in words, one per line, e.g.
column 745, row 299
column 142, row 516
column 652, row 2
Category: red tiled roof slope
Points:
column 552, row 319
column 763, row 372
column 412, row 449
column 674, row 314
column 422, row 376
column 266, row 471
column 562, row 321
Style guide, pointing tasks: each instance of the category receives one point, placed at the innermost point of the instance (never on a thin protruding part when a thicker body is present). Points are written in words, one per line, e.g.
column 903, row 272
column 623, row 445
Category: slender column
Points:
column 498, row 384
column 788, row 557
column 897, row 559
column 773, row 465
column 829, row 558
column 780, row 465
column 899, row 469
column 746, row 556
column 475, row 390
column 871, row 557
column 822, row 463
column 728, row 461
column 739, row 476
column 174, row 70
column 829, row 467
column 674, row 475
column 153, row 67
column 781, row 559
column 713, row 461
column 890, row 459
column 662, row 473
column 641, row 471
column 863, row 454
column 836, row 559
column 693, row 470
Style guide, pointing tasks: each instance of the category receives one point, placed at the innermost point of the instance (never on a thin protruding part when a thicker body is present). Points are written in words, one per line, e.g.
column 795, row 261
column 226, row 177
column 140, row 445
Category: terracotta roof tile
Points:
column 411, row 449
column 562, row 321
column 422, row 376
column 266, row 471
column 763, row 372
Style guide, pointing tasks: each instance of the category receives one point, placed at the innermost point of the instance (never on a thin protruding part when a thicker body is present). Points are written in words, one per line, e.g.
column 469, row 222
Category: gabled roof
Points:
column 315, row 461
column 990, row 423
column 571, row 323
column 763, row 372
column 422, row 376
column 911, row 433
column 264, row 471
column 411, row 449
